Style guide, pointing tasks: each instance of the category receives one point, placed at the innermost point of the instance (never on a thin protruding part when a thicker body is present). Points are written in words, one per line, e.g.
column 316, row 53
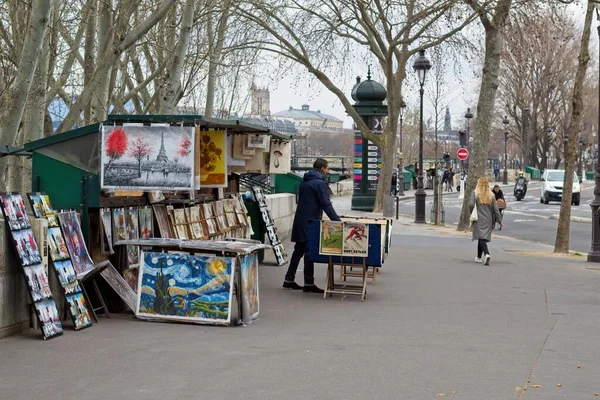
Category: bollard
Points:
column 462, row 189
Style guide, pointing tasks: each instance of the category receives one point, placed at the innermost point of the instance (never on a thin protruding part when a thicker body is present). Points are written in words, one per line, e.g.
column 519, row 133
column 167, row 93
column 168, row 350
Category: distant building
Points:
column 260, row 102
column 306, row 119
column 447, row 135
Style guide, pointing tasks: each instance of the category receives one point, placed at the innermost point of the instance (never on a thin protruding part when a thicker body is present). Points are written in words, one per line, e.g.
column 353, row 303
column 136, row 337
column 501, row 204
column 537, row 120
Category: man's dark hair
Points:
column 320, row 163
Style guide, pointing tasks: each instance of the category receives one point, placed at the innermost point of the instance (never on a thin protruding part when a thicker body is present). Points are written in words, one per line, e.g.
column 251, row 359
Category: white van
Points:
column 552, row 186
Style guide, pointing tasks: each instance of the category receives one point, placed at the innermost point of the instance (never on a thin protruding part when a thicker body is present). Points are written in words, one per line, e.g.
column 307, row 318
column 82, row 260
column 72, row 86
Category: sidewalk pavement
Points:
column 435, row 325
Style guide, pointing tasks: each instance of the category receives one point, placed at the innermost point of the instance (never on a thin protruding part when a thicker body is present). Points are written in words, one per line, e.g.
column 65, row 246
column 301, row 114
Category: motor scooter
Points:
column 520, row 189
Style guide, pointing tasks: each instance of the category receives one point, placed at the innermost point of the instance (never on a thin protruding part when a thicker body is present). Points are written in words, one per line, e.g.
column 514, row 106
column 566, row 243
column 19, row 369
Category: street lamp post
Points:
column 400, row 177
column 468, row 116
column 505, row 122
column 421, row 66
column 594, row 254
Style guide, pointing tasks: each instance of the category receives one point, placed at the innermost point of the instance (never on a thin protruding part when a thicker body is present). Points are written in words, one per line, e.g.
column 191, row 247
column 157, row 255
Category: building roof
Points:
column 306, row 113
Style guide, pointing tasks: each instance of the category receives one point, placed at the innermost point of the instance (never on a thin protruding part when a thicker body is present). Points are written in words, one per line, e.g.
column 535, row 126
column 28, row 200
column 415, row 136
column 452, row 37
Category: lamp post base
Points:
column 400, row 185
column 505, row 178
column 594, row 254
column 420, row 206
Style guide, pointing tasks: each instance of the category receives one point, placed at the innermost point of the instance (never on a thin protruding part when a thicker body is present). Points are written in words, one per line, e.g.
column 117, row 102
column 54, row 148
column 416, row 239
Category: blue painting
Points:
column 185, row 288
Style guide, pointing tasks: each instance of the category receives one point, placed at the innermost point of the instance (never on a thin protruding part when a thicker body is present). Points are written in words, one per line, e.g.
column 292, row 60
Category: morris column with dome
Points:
column 369, row 96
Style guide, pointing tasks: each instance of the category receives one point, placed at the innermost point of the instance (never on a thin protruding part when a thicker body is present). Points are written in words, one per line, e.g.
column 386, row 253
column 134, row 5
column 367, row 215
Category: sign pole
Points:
column 462, row 154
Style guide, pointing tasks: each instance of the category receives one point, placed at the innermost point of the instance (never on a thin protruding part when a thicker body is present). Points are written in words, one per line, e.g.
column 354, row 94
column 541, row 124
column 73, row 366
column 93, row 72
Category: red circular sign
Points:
column 462, row 154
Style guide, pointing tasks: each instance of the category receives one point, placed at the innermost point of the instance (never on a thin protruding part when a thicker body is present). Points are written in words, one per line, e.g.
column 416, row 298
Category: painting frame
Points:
column 14, row 210
column 80, row 258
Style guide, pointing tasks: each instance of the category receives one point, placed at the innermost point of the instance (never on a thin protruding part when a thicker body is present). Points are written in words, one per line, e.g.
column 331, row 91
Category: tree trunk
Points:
column 485, row 105
column 173, row 84
column 88, row 51
column 106, row 35
column 215, row 48
column 564, row 220
column 16, row 97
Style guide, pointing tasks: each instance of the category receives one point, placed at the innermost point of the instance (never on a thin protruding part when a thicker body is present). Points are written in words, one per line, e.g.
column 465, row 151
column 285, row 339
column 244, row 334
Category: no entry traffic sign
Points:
column 462, row 154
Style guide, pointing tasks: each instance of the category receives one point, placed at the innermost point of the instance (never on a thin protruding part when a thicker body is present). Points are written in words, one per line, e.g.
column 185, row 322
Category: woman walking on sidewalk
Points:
column 484, row 215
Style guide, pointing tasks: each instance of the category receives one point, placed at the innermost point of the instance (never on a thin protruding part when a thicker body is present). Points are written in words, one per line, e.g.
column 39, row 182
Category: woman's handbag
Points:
column 501, row 204
column 474, row 216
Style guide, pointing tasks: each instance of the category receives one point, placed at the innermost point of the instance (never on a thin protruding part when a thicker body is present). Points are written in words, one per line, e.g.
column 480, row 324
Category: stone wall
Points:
column 282, row 207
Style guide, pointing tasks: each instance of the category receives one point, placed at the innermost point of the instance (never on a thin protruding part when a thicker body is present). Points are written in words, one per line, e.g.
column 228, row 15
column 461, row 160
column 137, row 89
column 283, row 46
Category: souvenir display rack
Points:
column 269, row 224
column 34, row 271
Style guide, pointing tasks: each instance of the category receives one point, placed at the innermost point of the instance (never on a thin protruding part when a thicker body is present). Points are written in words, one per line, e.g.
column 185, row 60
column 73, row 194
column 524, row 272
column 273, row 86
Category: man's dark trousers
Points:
column 300, row 250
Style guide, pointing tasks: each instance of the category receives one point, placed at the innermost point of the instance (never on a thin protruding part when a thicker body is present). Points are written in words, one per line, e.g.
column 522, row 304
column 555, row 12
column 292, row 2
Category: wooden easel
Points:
column 343, row 288
column 92, row 275
column 348, row 271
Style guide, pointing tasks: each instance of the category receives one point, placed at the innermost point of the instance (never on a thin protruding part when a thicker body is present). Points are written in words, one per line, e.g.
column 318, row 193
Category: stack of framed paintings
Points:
column 61, row 259
column 278, row 248
column 194, row 217
column 162, row 220
column 31, row 261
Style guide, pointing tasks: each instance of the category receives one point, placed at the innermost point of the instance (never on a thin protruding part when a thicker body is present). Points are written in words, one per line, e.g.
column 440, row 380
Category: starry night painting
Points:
column 186, row 288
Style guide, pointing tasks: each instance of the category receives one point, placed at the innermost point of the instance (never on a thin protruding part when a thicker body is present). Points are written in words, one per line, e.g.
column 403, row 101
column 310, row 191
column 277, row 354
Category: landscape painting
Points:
column 186, row 288
column 79, row 311
column 69, row 222
column 14, row 211
column 147, row 157
column 49, row 318
column 249, row 276
column 37, row 281
column 332, row 238
column 41, row 206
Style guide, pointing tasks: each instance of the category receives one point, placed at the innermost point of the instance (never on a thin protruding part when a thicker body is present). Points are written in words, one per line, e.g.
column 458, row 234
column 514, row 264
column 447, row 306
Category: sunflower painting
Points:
column 186, row 288
column 212, row 159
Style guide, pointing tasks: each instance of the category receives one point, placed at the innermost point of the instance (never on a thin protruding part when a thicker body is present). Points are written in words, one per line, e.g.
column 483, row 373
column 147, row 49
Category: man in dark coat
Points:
column 313, row 199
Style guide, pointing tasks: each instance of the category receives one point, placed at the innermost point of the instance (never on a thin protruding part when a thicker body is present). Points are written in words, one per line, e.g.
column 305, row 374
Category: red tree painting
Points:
column 116, row 145
column 185, row 147
column 140, row 149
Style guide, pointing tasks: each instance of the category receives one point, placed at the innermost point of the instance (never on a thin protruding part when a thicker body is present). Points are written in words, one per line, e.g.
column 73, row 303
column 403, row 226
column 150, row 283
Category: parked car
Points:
column 552, row 186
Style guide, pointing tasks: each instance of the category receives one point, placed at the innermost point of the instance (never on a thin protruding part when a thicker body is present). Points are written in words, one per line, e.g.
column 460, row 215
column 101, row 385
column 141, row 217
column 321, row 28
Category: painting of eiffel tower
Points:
column 147, row 157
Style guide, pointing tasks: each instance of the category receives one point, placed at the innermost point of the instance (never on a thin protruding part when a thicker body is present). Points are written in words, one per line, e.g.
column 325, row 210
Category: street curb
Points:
column 573, row 219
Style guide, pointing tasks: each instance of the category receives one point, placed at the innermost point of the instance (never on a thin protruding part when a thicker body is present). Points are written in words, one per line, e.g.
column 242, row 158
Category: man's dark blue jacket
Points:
column 313, row 199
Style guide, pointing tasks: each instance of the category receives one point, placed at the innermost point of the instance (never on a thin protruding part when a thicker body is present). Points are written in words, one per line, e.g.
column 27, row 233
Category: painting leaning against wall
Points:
column 147, row 157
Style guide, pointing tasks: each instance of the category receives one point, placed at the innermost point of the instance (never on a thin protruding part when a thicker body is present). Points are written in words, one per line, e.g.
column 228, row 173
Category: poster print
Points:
column 26, row 247
column 332, row 238
column 14, row 211
column 146, row 223
column 106, row 221
column 356, row 239
column 38, row 282
column 249, row 277
column 258, row 141
column 213, row 159
column 132, row 232
column 65, row 272
column 185, row 288
column 58, row 248
column 80, row 258
column 280, row 158
column 41, row 206
column 49, row 318
column 79, row 311
column 147, row 157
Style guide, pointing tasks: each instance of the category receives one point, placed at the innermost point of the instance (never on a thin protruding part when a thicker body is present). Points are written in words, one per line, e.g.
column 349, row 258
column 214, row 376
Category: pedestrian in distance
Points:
column 484, row 215
column 394, row 188
column 500, row 200
column 450, row 180
column 313, row 199
column 497, row 173
column 445, row 179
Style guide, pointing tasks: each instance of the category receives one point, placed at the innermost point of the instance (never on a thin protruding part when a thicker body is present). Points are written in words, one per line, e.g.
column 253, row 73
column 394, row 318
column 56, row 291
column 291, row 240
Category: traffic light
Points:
column 462, row 137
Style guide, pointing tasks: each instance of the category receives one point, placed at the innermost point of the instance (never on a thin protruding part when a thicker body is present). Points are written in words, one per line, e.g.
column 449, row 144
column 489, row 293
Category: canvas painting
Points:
column 332, row 238
column 259, row 196
column 69, row 222
column 213, row 159
column 131, row 277
column 132, row 230
column 356, row 239
column 79, row 311
column 49, row 318
column 234, row 162
column 272, row 233
column 26, row 246
column 41, row 206
column 258, row 141
column 146, row 223
column 118, row 224
column 280, row 158
column 34, row 200
column 106, row 221
column 185, row 288
column 266, row 216
column 147, row 157
column 72, row 288
column 14, row 211
column 37, row 280
column 162, row 219
column 249, row 276
column 56, row 243
column 65, row 272
column 280, row 254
